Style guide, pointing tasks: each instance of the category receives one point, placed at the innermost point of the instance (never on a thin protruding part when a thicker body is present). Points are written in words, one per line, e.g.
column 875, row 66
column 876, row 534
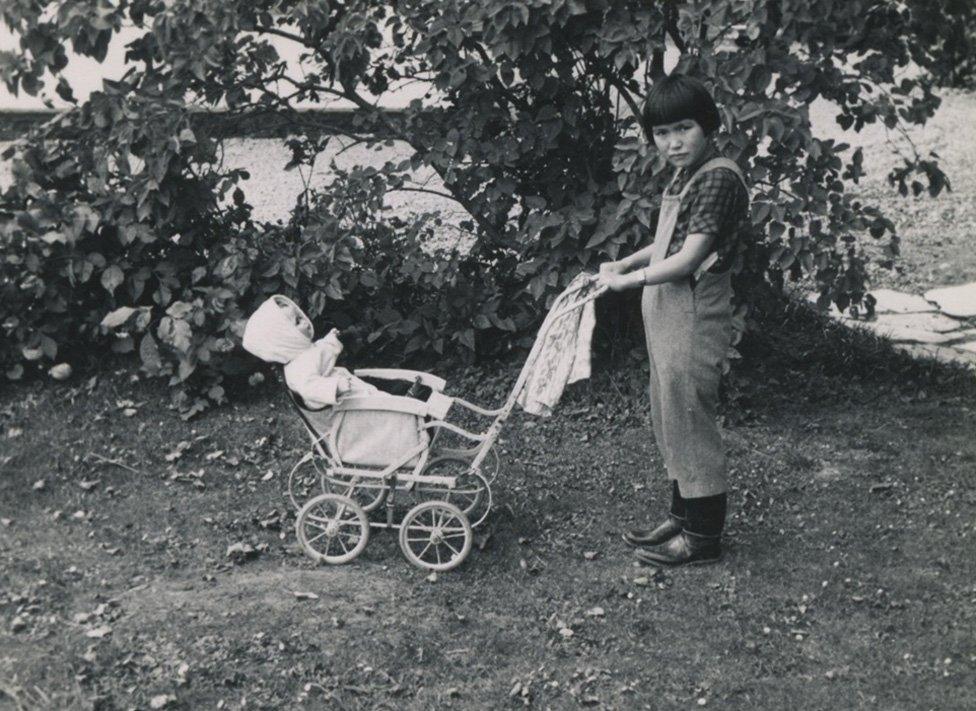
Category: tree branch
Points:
column 438, row 193
column 287, row 35
column 622, row 91
column 464, row 200
column 617, row 84
column 495, row 81
column 671, row 26
column 657, row 64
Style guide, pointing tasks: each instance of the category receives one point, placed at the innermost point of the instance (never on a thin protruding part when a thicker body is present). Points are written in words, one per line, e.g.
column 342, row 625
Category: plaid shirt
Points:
column 716, row 205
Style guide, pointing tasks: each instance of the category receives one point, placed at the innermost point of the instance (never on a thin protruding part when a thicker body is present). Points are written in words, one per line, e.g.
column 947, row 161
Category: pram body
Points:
column 368, row 452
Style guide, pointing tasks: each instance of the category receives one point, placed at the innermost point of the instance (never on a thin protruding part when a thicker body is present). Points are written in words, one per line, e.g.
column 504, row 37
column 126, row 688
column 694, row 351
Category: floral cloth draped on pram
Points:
column 563, row 355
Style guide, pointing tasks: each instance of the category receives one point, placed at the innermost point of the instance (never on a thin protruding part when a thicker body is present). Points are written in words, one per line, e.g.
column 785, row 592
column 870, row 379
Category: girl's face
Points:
column 681, row 142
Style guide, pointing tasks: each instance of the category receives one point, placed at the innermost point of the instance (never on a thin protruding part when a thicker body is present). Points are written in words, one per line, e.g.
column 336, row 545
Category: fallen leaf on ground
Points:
column 181, row 447
column 240, row 552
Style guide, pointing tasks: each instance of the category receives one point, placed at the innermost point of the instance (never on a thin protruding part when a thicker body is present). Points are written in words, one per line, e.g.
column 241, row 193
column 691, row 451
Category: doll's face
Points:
column 297, row 318
column 681, row 142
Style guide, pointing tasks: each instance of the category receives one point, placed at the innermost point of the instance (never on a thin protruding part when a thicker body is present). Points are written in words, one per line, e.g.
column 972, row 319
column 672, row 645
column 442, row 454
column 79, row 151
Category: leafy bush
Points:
column 81, row 269
column 531, row 126
column 949, row 26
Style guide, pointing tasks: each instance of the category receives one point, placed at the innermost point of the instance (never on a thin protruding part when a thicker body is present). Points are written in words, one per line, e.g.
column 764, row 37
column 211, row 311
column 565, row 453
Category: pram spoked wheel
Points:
column 491, row 466
column 436, row 535
column 332, row 529
column 471, row 490
column 302, row 478
column 368, row 492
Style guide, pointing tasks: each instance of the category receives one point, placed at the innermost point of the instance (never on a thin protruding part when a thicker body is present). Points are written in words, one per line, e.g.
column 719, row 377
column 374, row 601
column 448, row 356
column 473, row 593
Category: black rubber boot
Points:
column 700, row 540
column 671, row 527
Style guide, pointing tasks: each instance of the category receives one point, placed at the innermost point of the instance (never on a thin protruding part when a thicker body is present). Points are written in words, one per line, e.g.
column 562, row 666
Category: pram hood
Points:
column 272, row 334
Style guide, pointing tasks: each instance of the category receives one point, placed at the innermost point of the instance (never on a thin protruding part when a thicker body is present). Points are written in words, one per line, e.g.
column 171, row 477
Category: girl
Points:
column 687, row 312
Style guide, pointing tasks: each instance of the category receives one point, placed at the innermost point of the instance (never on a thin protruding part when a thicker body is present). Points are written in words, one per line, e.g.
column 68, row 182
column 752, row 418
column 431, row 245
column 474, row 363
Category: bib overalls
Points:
column 688, row 327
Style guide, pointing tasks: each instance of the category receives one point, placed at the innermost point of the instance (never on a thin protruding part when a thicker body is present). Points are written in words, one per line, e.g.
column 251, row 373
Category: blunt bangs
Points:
column 677, row 98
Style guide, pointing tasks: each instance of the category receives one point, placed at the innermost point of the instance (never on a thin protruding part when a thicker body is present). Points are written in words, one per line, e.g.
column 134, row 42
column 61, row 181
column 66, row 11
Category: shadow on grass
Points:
column 796, row 356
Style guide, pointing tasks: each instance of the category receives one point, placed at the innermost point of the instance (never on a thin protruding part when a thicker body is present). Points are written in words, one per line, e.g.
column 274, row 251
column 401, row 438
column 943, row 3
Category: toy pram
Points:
column 368, row 451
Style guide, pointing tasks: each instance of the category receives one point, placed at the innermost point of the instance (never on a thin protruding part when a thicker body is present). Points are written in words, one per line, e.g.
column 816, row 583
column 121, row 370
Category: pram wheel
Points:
column 436, row 535
column 301, row 482
column 368, row 492
column 332, row 529
column 469, row 492
column 491, row 465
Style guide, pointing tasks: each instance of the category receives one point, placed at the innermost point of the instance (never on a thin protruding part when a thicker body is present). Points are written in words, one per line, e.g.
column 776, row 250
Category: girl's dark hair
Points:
column 677, row 97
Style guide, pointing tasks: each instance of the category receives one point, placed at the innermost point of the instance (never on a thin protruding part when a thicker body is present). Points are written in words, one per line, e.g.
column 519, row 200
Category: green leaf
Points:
column 116, row 318
column 598, row 238
column 179, row 309
column 112, row 278
column 466, row 337
column 54, row 237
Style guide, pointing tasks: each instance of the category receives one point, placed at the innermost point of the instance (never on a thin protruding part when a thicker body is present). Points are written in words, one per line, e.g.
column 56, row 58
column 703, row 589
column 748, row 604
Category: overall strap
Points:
column 714, row 163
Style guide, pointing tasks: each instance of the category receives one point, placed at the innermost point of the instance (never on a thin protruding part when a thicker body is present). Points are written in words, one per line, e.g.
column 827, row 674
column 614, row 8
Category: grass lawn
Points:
column 849, row 579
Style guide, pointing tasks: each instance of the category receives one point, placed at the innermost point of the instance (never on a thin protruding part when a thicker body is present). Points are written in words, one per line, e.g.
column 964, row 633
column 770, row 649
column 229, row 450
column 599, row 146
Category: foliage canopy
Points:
column 131, row 233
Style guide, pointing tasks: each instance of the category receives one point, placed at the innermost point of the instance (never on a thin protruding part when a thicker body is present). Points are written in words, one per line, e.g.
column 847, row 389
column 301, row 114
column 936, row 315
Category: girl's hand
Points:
column 608, row 268
column 621, row 282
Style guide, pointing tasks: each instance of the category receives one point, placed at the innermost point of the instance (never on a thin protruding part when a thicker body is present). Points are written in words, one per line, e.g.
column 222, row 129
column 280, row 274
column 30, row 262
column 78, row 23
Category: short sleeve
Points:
column 714, row 202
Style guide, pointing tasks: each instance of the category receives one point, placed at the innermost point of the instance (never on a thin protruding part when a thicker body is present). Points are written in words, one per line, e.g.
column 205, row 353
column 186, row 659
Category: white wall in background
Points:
column 85, row 75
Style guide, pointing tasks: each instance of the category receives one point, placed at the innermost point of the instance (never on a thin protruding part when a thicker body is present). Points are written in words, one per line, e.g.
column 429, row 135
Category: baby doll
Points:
column 314, row 375
column 280, row 332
